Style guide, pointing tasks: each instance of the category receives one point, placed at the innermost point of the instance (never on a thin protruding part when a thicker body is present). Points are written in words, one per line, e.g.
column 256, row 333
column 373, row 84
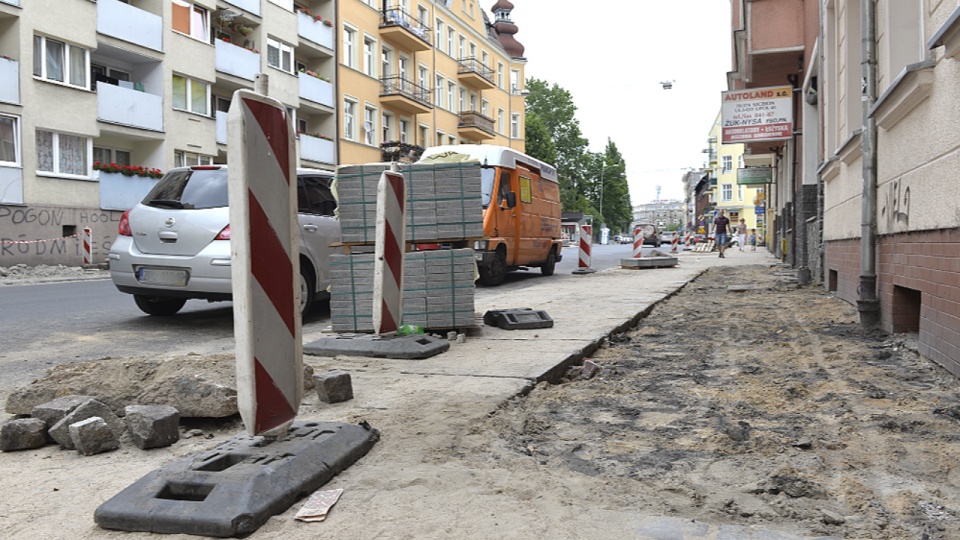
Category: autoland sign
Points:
column 751, row 176
column 757, row 114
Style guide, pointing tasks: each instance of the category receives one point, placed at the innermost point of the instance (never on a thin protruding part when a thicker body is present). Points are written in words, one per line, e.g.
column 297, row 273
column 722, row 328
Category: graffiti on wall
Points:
column 36, row 235
column 895, row 204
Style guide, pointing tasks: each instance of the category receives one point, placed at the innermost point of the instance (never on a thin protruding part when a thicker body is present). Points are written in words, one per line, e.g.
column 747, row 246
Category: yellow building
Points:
column 419, row 73
column 739, row 200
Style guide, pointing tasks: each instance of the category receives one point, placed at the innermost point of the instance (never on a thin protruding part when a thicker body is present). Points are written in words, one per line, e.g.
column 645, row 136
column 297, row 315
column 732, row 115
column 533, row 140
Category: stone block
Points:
column 89, row 409
column 93, row 436
column 54, row 411
column 333, row 386
column 152, row 426
column 22, row 434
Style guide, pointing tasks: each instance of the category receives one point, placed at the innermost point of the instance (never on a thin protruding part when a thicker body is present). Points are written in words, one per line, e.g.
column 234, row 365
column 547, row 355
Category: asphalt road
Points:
column 52, row 323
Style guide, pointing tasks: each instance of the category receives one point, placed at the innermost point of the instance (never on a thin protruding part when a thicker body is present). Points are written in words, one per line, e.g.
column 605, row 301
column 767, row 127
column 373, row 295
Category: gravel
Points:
column 21, row 274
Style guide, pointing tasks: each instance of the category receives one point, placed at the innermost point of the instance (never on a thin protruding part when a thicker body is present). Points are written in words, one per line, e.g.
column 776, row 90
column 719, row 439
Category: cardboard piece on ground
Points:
column 318, row 505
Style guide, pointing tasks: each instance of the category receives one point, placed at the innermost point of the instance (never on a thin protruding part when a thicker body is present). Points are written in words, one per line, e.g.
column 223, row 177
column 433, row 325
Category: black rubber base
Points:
column 412, row 347
column 517, row 319
column 236, row 487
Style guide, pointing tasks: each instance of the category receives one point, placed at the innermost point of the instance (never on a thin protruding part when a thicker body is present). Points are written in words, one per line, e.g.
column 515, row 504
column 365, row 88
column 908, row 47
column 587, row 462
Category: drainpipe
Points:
column 868, row 304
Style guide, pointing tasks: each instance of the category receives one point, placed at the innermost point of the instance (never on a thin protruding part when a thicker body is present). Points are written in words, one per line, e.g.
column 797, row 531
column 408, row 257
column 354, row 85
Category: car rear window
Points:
column 190, row 189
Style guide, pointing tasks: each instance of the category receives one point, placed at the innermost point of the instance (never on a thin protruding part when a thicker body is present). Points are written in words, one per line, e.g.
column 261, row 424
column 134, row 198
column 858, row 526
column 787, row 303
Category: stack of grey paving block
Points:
column 443, row 201
column 438, row 290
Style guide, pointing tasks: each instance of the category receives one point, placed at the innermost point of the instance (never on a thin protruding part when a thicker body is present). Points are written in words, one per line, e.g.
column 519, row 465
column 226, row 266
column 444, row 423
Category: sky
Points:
column 611, row 55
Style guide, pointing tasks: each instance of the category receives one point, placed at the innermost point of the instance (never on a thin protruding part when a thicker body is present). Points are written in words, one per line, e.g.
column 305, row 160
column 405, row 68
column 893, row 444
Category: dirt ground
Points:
column 767, row 407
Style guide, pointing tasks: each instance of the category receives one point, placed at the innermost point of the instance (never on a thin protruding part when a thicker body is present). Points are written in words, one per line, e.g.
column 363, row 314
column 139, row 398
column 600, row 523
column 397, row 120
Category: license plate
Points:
column 162, row 276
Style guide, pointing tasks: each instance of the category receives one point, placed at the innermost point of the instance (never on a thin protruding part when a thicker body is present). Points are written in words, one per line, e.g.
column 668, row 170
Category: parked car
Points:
column 650, row 232
column 666, row 237
column 175, row 245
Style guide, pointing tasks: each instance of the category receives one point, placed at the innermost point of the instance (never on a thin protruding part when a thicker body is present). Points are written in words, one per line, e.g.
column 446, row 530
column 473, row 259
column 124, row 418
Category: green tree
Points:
column 606, row 188
column 539, row 144
column 554, row 106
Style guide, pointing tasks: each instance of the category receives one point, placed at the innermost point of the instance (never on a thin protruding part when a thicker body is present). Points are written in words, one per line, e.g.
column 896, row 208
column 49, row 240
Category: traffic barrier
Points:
column 586, row 237
column 388, row 259
column 675, row 245
column 266, row 265
column 87, row 246
column 638, row 243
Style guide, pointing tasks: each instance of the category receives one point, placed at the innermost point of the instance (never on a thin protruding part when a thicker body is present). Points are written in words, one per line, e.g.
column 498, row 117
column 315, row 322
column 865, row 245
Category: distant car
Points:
column 175, row 245
column 667, row 237
column 650, row 232
column 626, row 239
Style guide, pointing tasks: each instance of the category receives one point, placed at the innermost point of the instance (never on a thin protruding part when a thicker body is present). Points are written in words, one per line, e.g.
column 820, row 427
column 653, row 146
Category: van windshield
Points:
column 487, row 176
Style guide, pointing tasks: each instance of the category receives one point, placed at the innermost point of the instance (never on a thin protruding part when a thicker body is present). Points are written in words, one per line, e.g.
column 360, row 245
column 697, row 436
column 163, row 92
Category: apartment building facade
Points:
column 88, row 89
column 419, row 73
column 729, row 188
column 891, row 130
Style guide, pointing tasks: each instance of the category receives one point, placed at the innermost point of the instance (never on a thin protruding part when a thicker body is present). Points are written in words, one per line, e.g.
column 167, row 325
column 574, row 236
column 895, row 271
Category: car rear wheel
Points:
column 306, row 290
column 551, row 264
column 158, row 305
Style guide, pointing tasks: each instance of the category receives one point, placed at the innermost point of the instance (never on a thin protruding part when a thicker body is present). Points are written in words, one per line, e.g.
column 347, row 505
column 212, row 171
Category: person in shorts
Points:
column 721, row 226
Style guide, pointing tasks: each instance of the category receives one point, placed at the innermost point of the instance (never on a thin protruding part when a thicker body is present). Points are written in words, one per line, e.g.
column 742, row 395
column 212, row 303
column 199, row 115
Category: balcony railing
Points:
column 129, row 23
column 313, row 30
column 316, row 90
column 316, row 149
column 396, row 86
column 473, row 68
column 476, row 120
column 399, row 26
column 250, row 6
column 9, row 81
column 129, row 107
column 236, row 60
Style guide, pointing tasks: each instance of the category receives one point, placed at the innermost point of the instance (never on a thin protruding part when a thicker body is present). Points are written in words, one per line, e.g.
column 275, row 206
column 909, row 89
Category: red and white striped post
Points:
column 265, row 263
column 675, row 245
column 586, row 240
column 638, row 243
column 390, row 246
column 87, row 246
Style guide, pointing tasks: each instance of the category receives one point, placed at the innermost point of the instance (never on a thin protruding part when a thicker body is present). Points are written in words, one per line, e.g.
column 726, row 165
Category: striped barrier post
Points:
column 265, row 267
column 87, row 246
column 637, row 243
column 388, row 260
column 675, row 245
column 586, row 238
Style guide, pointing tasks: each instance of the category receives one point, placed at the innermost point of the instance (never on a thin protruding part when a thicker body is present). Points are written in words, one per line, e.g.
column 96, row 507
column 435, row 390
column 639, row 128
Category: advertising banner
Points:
column 757, row 114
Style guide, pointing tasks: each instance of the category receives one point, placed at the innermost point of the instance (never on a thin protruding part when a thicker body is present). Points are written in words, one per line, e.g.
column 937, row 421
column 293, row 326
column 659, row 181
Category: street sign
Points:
column 265, row 266
column 751, row 176
column 760, row 210
column 757, row 114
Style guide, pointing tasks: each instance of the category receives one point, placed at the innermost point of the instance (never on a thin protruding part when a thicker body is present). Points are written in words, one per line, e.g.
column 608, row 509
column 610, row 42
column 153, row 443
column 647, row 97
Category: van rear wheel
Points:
column 494, row 273
column 548, row 267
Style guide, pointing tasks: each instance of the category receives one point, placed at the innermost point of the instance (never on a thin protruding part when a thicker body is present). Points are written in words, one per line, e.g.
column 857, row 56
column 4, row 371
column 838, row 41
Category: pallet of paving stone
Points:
column 443, row 201
column 438, row 290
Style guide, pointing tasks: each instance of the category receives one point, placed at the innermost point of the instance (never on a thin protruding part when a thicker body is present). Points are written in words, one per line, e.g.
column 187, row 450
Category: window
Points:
column 463, row 100
column 473, row 102
column 739, row 192
column 422, row 17
column 485, row 60
column 404, row 127
column 727, row 194
column 349, row 119
column 473, row 50
column 9, row 140
column 279, row 55
column 451, row 139
column 727, row 164
column 190, row 95
column 440, row 33
column 500, row 124
column 349, row 47
column 59, row 153
column 515, row 126
column 369, row 125
column 111, row 155
column 190, row 159
column 485, row 108
column 369, row 57
column 424, row 136
column 462, row 51
column 302, row 125
column 514, row 81
column 439, row 137
column 386, row 62
column 402, row 67
column 451, row 38
column 451, row 95
column 422, row 74
column 61, row 62
column 386, row 127
column 500, row 74
column 438, row 93
column 190, row 19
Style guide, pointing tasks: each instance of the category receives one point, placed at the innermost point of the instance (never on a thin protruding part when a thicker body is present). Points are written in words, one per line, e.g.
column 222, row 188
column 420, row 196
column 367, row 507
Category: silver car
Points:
column 175, row 244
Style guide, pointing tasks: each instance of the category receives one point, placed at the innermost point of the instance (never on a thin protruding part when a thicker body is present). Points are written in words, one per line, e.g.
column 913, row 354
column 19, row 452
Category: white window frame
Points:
column 199, row 29
column 370, row 131
column 440, row 82
column 350, row 106
column 501, row 115
column 485, row 107
column 515, row 125
column 182, row 158
column 727, row 164
column 40, row 57
column 423, row 77
column 386, row 126
column 500, row 80
column 726, row 192
column 369, row 56
column 451, row 96
column 55, row 143
column 451, row 40
column 386, row 61
column 113, row 154
column 14, row 139
column 403, row 126
column 439, row 33
column 514, row 81
column 349, row 41
column 282, row 48
column 462, row 48
column 423, row 135
column 188, row 97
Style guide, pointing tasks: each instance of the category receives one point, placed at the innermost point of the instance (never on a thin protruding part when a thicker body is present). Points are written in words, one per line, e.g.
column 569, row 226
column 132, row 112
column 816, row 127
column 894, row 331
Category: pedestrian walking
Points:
column 720, row 226
column 753, row 239
column 742, row 234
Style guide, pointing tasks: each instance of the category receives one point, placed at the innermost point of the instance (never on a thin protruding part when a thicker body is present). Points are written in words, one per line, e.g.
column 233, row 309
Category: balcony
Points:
column 403, row 96
column 11, row 2
column 474, row 74
column 476, row 126
column 400, row 151
column 250, row 6
column 316, row 149
column 315, row 31
column 9, row 81
column 237, row 61
column 129, row 107
column 316, row 90
column 400, row 28
column 221, row 118
column 131, row 24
